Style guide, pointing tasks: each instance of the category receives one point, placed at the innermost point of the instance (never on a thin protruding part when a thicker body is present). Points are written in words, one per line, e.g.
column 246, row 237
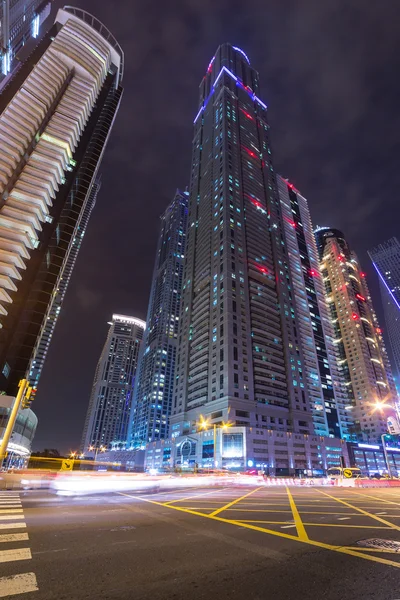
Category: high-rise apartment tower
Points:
column 330, row 401
column 386, row 260
column 108, row 414
column 240, row 350
column 56, row 114
column 363, row 357
column 156, row 370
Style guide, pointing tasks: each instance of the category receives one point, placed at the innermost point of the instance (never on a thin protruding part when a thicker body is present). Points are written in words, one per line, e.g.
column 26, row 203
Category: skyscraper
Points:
column 110, row 402
column 386, row 260
column 240, row 356
column 330, row 401
column 156, row 370
column 363, row 356
column 56, row 114
column 20, row 20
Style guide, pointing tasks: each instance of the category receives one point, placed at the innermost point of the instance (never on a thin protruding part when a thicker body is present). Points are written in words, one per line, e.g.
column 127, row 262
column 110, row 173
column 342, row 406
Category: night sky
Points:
column 329, row 73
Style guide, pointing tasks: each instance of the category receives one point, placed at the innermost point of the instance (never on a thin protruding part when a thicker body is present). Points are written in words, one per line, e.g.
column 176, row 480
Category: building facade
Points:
column 68, row 262
column 20, row 444
column 255, row 345
column 156, row 369
column 322, row 375
column 108, row 413
column 56, row 114
column 363, row 357
column 386, row 261
column 20, row 20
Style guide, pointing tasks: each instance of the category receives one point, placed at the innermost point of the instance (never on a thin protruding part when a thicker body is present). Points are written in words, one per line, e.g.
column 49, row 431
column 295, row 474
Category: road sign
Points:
column 348, row 473
column 67, row 465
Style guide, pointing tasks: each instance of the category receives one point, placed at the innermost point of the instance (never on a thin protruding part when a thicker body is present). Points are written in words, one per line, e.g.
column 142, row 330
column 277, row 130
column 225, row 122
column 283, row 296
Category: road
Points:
column 251, row 543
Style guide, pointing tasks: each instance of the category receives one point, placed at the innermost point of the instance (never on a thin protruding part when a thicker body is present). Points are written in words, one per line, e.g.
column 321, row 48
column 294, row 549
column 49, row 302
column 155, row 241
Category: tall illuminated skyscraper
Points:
column 108, row 413
column 240, row 354
column 156, row 370
column 386, row 260
column 330, row 401
column 20, row 20
column 56, row 114
column 359, row 340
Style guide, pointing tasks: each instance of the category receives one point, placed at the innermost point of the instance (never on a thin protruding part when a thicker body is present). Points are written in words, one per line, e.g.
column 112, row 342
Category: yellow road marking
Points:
column 190, row 497
column 301, row 532
column 314, row 524
column 340, row 549
column 368, row 514
column 371, row 549
column 377, row 498
column 216, row 512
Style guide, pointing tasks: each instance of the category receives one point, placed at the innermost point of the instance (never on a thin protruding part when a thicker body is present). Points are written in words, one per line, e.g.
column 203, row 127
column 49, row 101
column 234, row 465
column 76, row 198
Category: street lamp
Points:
column 381, row 405
column 97, row 450
column 205, row 424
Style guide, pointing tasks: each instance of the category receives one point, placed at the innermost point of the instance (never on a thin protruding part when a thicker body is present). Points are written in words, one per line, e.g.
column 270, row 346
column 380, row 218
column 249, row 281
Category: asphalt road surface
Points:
column 210, row 543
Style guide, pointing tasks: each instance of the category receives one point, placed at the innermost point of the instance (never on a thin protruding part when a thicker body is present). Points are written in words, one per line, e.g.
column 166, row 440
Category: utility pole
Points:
column 11, row 421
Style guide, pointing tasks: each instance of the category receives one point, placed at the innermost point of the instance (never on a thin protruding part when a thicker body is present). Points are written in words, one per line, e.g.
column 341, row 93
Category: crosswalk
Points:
column 12, row 526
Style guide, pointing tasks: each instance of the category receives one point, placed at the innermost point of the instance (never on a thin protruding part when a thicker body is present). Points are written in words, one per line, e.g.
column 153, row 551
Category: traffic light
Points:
column 29, row 397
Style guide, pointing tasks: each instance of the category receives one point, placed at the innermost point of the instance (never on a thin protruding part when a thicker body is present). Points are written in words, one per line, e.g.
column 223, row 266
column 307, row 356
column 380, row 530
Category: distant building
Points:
column 386, row 260
column 363, row 357
column 156, row 370
column 56, row 115
column 110, row 402
column 20, row 20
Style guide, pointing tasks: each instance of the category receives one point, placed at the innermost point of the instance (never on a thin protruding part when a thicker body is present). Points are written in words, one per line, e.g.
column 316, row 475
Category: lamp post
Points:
column 205, row 424
column 97, row 450
column 381, row 405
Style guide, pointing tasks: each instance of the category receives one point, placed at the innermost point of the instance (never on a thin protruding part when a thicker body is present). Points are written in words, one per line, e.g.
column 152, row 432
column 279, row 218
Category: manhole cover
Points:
column 380, row 544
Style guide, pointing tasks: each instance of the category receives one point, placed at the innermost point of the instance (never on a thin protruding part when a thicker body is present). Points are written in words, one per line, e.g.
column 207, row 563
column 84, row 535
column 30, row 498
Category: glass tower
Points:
column 239, row 349
column 363, row 356
column 20, row 20
column 56, row 114
column 110, row 402
column 323, row 373
column 386, row 260
column 156, row 370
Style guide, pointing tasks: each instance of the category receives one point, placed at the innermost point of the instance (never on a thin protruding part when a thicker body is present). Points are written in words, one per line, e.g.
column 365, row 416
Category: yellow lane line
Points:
column 287, row 536
column 315, row 524
column 301, row 532
column 303, row 512
column 377, row 498
column 190, row 497
column 216, row 512
column 368, row 514
column 381, row 550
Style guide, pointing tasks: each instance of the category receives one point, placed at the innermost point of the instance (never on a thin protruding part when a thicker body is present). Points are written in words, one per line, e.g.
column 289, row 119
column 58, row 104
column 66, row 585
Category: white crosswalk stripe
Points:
column 13, row 537
column 12, row 525
column 11, row 510
column 18, row 584
column 12, row 517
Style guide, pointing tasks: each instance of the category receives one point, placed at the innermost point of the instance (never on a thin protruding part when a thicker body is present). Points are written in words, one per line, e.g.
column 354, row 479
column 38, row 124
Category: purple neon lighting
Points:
column 238, row 82
column 241, row 52
column 386, row 285
column 199, row 113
